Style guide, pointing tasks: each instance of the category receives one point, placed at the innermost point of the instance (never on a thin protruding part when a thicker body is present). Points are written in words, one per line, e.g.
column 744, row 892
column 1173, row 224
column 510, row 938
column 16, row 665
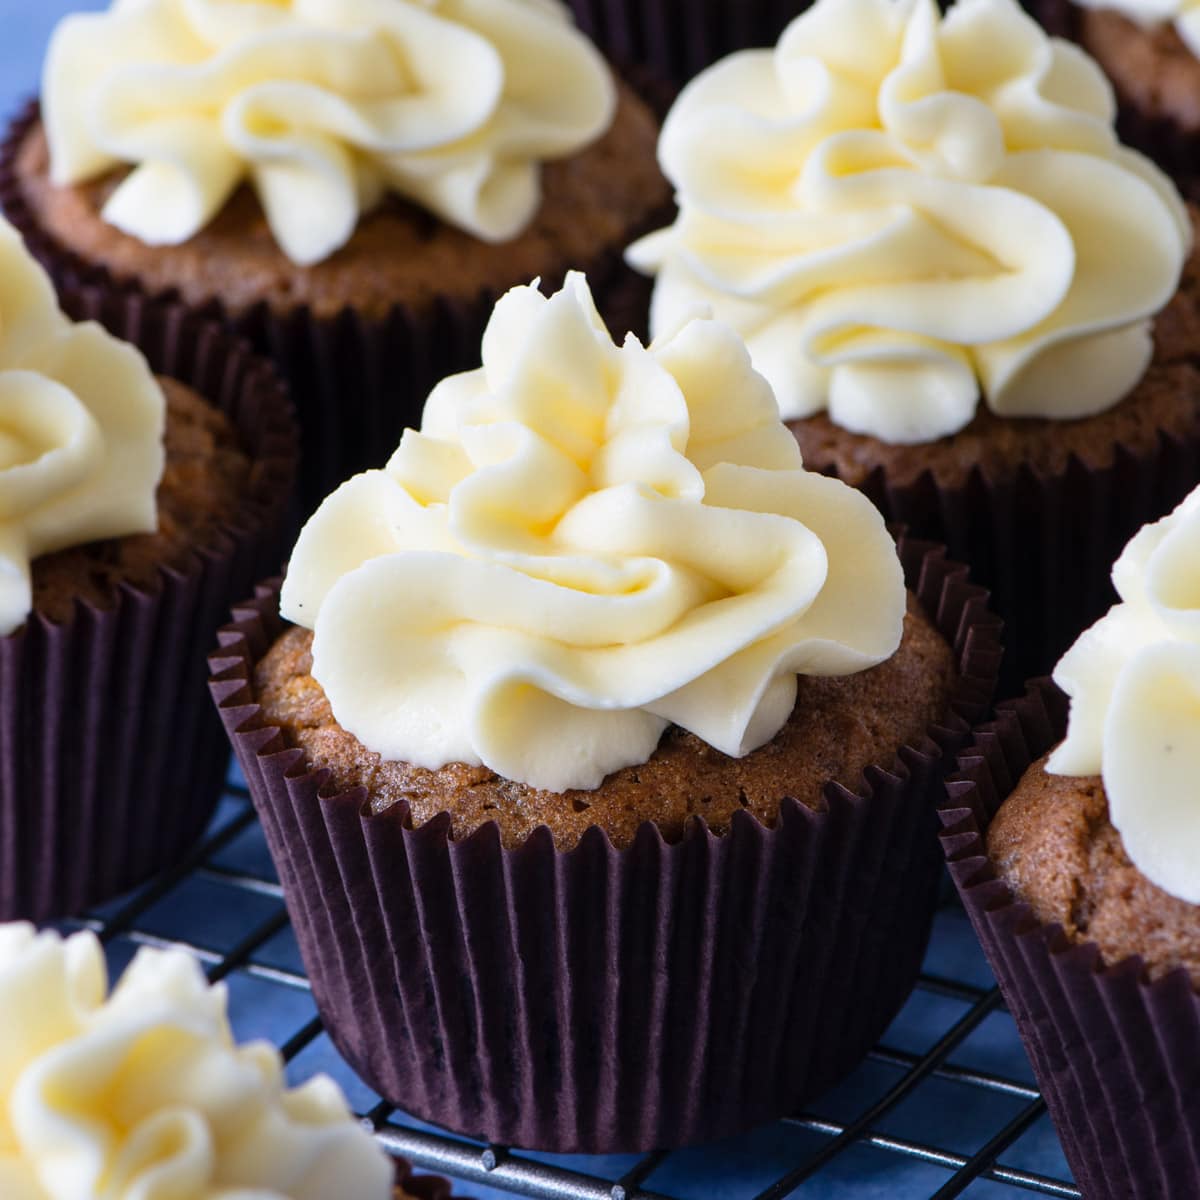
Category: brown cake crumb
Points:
column 1166, row 400
column 1152, row 68
column 205, row 477
column 839, row 727
column 1054, row 844
column 593, row 203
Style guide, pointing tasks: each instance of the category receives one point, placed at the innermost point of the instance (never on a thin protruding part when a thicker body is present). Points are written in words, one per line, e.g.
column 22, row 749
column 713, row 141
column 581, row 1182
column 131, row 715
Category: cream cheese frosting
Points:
column 323, row 106
column 902, row 212
column 1183, row 14
column 143, row 1095
column 1134, row 683
column 81, row 427
column 583, row 545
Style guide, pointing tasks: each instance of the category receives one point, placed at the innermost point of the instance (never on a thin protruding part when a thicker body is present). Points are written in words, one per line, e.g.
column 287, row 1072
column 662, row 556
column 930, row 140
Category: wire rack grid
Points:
column 945, row 1106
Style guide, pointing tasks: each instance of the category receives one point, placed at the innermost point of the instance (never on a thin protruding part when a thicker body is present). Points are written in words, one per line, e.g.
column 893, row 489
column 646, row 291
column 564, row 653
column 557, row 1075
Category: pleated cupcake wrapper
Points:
column 357, row 382
column 1044, row 544
column 678, row 41
column 1175, row 149
column 111, row 761
column 600, row 999
column 1117, row 1058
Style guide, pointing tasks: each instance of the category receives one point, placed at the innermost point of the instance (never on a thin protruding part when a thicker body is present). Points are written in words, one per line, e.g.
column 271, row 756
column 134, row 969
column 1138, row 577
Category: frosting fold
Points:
column 1134, row 683
column 144, row 1095
column 584, row 544
column 902, row 212
column 323, row 106
column 81, row 426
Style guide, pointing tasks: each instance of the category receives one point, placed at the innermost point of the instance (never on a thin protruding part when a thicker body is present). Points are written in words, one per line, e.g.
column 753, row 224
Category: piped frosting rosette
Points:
column 323, row 106
column 903, row 211
column 143, row 1095
column 1134, row 683
column 81, row 427
column 583, row 545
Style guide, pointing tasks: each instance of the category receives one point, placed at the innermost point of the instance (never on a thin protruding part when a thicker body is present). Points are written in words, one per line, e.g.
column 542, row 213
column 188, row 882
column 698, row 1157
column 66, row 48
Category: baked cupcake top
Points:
column 323, row 106
column 584, row 545
column 1184, row 15
column 1134, row 684
column 904, row 212
column 144, row 1095
column 81, row 430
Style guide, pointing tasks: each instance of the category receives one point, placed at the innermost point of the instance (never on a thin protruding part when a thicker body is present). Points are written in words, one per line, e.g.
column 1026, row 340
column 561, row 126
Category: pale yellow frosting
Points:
column 584, row 544
column 143, row 1095
column 1183, row 14
column 323, row 106
column 1134, row 683
column 81, row 425
column 902, row 211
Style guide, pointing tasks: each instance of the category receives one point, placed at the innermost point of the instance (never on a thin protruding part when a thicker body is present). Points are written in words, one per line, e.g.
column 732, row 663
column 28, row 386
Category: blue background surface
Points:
column 946, row 1111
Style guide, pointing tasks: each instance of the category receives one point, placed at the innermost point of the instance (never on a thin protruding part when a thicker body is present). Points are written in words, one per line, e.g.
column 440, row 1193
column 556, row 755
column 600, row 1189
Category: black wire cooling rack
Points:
column 946, row 1106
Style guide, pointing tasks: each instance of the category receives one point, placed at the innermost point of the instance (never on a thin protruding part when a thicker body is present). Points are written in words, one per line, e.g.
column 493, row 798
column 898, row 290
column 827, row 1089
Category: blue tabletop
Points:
column 983, row 1090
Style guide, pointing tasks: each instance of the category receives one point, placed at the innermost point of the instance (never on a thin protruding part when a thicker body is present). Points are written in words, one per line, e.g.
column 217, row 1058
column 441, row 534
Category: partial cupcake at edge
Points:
column 133, row 508
column 1151, row 52
column 1081, row 872
column 972, row 301
column 593, row 676
column 351, row 186
column 142, row 1090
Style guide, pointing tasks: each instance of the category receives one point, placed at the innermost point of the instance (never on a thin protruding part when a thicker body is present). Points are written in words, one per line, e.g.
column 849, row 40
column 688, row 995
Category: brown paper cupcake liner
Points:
column 1043, row 545
column 1117, row 1057
column 603, row 1000
column 356, row 381
column 111, row 762
column 679, row 41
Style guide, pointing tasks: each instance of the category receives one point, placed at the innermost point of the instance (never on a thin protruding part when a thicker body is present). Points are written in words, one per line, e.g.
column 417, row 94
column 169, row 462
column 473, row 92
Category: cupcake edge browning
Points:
column 839, row 727
column 206, row 475
column 1055, row 846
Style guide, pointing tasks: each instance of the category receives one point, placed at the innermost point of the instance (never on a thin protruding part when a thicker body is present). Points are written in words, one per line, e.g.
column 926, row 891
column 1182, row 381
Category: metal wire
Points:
column 518, row 1174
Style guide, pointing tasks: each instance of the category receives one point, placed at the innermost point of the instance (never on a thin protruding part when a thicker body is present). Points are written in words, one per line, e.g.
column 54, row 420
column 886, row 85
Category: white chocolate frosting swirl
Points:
column 323, row 106
column 584, row 544
column 1183, row 14
column 144, row 1095
column 1134, row 683
column 81, row 426
column 902, row 211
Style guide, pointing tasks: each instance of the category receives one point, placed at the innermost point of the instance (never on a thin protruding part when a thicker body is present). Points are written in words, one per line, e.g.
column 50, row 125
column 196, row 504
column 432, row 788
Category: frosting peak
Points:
column 901, row 211
column 81, row 425
column 143, row 1095
column 1134, row 683
column 584, row 544
column 324, row 106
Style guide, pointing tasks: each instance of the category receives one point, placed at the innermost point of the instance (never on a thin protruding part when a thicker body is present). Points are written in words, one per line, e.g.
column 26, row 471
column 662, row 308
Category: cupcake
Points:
column 1083, row 880
column 1151, row 53
column 677, row 43
column 143, row 1093
column 133, row 508
column 971, row 300
column 351, row 186
column 595, row 676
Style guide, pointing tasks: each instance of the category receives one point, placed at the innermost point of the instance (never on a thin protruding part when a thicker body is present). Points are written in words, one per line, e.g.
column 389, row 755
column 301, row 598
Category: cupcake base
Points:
column 1115, row 1056
column 602, row 1000
column 111, row 763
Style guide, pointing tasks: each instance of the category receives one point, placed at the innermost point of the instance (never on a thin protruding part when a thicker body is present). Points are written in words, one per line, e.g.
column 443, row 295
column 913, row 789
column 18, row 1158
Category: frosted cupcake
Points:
column 143, row 1093
column 1087, row 893
column 972, row 301
column 349, row 185
column 132, row 509
column 595, row 674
